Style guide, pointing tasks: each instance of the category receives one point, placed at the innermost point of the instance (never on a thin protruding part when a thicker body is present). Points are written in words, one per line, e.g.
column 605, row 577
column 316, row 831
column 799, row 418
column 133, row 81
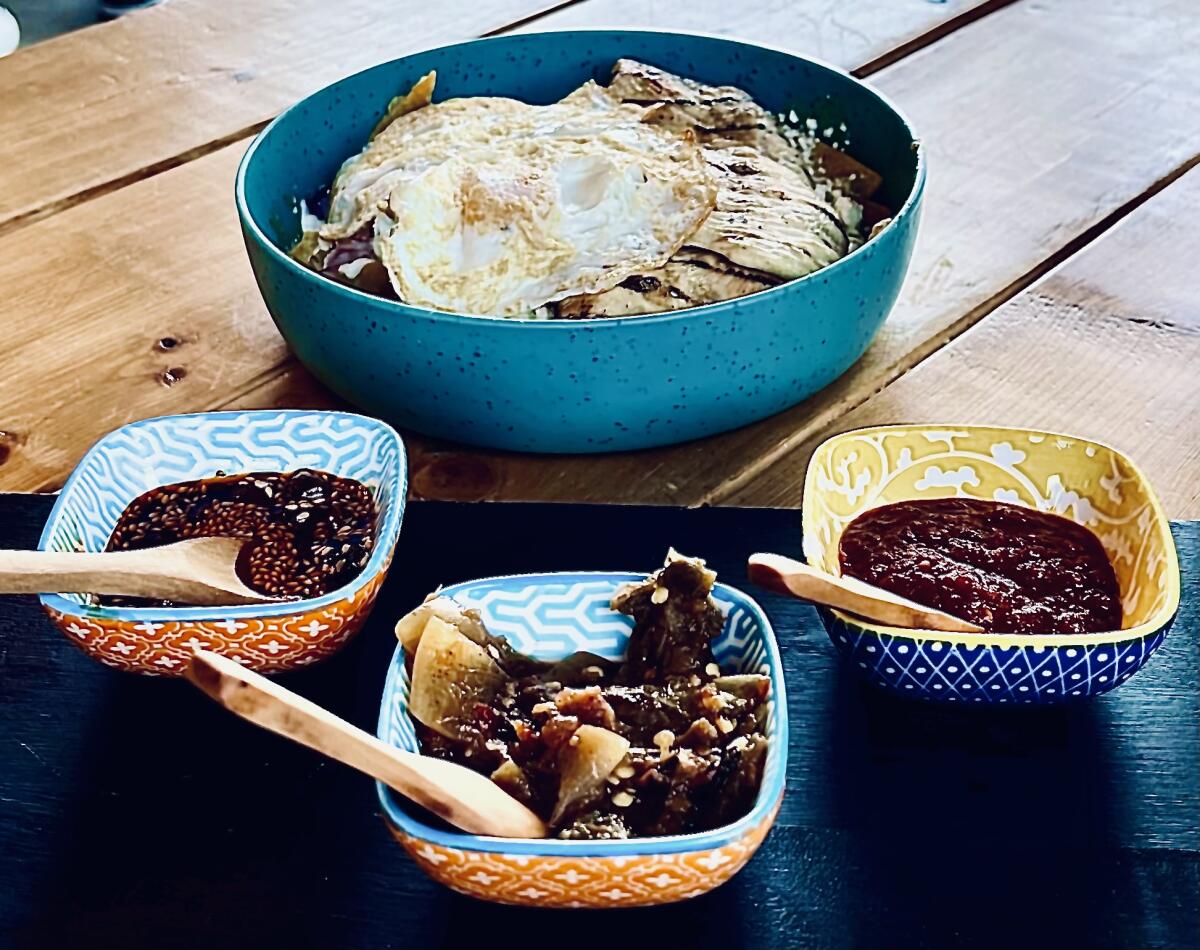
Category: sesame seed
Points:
column 259, row 507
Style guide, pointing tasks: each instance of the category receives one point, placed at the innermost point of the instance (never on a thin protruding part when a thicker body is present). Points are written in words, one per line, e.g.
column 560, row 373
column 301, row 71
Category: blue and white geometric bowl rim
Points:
column 769, row 792
column 386, row 534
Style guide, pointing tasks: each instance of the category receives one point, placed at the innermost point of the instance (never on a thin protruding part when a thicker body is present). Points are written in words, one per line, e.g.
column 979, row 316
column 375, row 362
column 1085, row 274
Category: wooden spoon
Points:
column 786, row 576
column 200, row 571
column 466, row 799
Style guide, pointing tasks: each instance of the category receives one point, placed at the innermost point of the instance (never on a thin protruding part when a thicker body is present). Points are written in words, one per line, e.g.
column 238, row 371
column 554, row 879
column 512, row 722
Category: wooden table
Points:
column 1055, row 283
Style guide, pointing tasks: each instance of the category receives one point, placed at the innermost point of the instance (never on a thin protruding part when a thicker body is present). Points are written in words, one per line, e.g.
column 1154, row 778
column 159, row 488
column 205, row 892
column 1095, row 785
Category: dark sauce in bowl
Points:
column 308, row 532
column 696, row 744
column 1007, row 568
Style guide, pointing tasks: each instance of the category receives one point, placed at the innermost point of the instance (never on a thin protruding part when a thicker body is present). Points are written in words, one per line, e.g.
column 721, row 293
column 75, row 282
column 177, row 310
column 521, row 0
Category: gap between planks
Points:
column 116, row 184
column 266, row 377
column 929, row 37
column 906, row 48
column 824, row 421
column 187, row 155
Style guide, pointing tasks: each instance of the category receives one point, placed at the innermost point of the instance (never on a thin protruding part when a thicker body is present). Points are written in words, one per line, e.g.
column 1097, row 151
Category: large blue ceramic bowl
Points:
column 581, row 385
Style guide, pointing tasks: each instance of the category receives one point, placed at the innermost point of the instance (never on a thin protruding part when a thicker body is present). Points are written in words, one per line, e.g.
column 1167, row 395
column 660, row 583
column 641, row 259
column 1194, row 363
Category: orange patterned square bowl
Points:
column 550, row 616
column 142, row 455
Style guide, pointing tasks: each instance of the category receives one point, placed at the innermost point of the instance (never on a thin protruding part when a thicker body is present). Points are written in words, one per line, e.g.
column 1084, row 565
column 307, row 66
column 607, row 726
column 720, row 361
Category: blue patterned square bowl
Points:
column 550, row 616
column 1086, row 481
column 142, row 455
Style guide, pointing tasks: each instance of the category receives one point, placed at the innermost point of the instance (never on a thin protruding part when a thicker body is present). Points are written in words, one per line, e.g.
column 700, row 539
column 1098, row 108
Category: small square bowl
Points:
column 142, row 455
column 1086, row 481
column 550, row 616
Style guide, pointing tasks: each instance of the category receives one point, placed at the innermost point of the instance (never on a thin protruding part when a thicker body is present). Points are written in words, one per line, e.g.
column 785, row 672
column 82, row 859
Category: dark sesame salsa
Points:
column 1007, row 568
column 308, row 532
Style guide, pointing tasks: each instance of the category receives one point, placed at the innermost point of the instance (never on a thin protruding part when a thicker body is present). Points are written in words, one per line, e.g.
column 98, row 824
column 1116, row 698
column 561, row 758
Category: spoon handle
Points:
column 464, row 798
column 784, row 575
column 108, row 572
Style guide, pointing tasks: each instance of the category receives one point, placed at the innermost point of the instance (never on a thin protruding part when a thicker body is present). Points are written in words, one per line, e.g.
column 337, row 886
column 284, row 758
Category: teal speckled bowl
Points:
column 581, row 385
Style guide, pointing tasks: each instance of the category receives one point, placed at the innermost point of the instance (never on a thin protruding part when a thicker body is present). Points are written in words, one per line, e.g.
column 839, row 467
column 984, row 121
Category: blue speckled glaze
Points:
column 587, row 385
column 933, row 668
column 551, row 615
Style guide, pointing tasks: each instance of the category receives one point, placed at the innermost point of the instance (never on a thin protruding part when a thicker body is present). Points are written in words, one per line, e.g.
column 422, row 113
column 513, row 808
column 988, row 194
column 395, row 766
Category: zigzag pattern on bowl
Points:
column 569, row 617
column 621, row 881
column 143, row 455
column 932, row 669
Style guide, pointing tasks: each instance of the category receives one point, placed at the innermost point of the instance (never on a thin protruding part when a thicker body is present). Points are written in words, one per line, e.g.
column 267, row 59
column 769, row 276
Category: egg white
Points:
column 506, row 231
column 493, row 206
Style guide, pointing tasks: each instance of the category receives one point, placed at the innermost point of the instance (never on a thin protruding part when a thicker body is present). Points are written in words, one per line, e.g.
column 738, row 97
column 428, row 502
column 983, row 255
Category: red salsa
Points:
column 308, row 532
column 1007, row 568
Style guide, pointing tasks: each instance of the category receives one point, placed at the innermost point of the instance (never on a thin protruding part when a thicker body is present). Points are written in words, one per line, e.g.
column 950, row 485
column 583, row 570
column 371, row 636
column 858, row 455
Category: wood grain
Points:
column 138, row 303
column 162, row 259
column 95, row 109
column 1107, row 347
column 860, row 35
column 1033, row 149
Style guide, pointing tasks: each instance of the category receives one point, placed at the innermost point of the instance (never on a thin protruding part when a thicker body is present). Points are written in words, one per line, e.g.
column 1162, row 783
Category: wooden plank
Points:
column 862, row 35
column 1107, row 346
column 115, row 102
column 1033, row 151
column 170, row 264
column 112, row 315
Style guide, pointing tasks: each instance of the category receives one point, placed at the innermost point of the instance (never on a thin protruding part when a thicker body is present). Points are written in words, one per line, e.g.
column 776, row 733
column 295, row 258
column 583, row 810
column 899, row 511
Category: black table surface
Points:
column 136, row 813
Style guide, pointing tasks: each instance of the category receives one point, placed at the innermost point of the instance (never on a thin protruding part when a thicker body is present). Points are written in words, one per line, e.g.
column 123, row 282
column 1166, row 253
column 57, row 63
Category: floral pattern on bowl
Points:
column 1086, row 481
column 267, row 638
column 550, row 616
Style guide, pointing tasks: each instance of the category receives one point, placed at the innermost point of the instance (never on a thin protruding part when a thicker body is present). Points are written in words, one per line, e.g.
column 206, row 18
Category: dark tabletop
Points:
column 135, row 812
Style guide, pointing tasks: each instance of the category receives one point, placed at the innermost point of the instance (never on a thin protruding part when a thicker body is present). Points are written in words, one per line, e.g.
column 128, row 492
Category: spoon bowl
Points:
column 200, row 572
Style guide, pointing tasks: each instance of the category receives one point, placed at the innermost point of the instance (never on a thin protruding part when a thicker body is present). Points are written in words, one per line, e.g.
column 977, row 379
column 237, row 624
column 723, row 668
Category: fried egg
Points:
column 492, row 206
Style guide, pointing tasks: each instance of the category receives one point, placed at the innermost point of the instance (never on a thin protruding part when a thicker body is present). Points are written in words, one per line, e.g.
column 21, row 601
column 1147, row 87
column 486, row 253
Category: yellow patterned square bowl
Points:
column 550, row 616
column 265, row 637
column 1086, row 481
